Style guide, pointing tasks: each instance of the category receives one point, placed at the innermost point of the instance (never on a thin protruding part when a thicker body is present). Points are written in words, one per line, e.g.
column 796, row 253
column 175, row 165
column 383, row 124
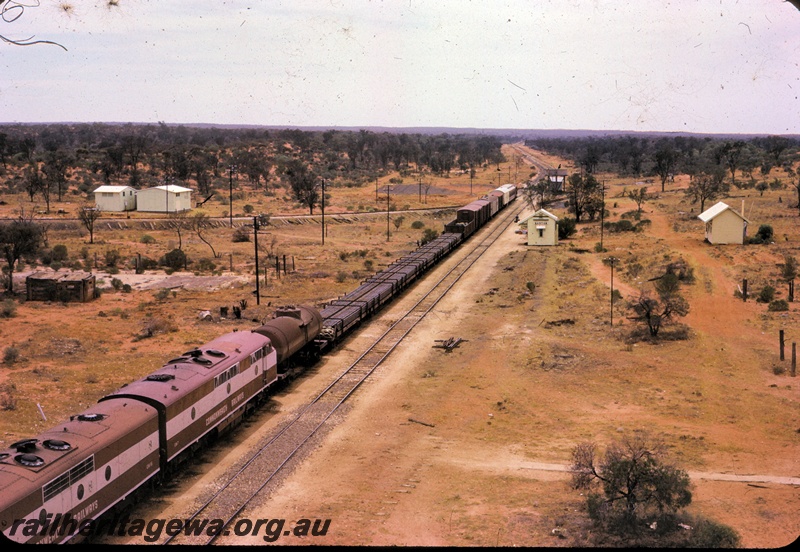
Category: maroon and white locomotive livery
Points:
column 77, row 470
column 200, row 393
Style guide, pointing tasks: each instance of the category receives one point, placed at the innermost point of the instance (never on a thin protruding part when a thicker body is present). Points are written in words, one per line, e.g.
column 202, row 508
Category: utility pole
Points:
column 230, row 191
column 388, row 189
column 471, row 176
column 602, row 212
column 323, row 211
column 255, row 241
column 612, row 261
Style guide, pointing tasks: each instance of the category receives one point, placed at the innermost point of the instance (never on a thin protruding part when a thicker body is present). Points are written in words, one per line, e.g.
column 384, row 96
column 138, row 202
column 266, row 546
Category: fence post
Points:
column 782, row 343
column 794, row 358
column 744, row 289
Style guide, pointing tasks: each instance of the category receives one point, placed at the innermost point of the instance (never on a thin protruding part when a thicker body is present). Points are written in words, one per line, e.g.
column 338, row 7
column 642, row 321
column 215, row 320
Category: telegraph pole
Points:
column 602, row 213
column 612, row 261
column 323, row 211
column 255, row 241
column 230, row 191
column 388, row 189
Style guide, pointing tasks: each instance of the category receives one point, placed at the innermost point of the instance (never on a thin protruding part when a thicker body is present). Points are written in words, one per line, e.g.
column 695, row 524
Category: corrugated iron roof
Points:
column 715, row 210
column 61, row 276
column 169, row 188
column 539, row 214
column 112, row 189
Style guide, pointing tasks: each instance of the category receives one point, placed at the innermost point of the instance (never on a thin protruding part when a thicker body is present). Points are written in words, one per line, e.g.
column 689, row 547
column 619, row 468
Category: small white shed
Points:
column 724, row 225
column 164, row 199
column 542, row 228
column 115, row 198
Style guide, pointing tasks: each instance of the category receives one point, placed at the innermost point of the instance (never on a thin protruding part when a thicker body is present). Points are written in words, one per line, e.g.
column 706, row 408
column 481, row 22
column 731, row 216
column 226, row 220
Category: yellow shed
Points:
column 542, row 228
column 724, row 225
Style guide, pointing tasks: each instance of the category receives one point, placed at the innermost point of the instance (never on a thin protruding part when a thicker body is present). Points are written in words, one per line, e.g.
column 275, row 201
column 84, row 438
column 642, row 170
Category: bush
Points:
column 162, row 294
column 620, row 226
column 112, row 257
column 8, row 309
column 429, row 234
column 7, row 399
column 155, row 326
column 116, row 283
column 147, row 239
column 682, row 270
column 417, row 225
column 241, row 235
column 59, row 252
column 206, row 265
column 567, row 227
column 175, row 259
column 764, row 235
column 778, row 305
column 11, row 355
column 148, row 264
column 767, row 295
column 707, row 533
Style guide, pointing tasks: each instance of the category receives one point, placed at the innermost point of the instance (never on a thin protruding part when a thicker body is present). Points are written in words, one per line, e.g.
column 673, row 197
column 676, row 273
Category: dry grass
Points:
column 546, row 382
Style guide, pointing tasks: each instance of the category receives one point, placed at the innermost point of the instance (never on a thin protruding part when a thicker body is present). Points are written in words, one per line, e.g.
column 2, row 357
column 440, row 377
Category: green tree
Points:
column 638, row 483
column 56, row 170
column 303, row 183
column 795, row 184
column 731, row 152
column 582, row 193
column 89, row 217
column 636, row 497
column 18, row 238
column 638, row 196
column 665, row 159
column 654, row 313
column 538, row 193
column 707, row 186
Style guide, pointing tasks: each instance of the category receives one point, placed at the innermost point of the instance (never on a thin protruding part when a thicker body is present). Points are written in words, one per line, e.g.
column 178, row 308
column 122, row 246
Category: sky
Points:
column 707, row 66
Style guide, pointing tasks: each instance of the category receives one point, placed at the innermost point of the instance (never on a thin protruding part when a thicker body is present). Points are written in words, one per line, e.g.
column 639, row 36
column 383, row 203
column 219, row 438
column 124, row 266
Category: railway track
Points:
column 289, row 442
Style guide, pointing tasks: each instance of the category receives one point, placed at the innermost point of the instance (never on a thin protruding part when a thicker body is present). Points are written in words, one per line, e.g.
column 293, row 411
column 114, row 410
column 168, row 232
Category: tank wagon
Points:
column 141, row 433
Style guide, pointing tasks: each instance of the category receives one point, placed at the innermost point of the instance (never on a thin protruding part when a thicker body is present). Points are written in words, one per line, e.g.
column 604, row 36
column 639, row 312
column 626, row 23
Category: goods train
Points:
column 54, row 486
